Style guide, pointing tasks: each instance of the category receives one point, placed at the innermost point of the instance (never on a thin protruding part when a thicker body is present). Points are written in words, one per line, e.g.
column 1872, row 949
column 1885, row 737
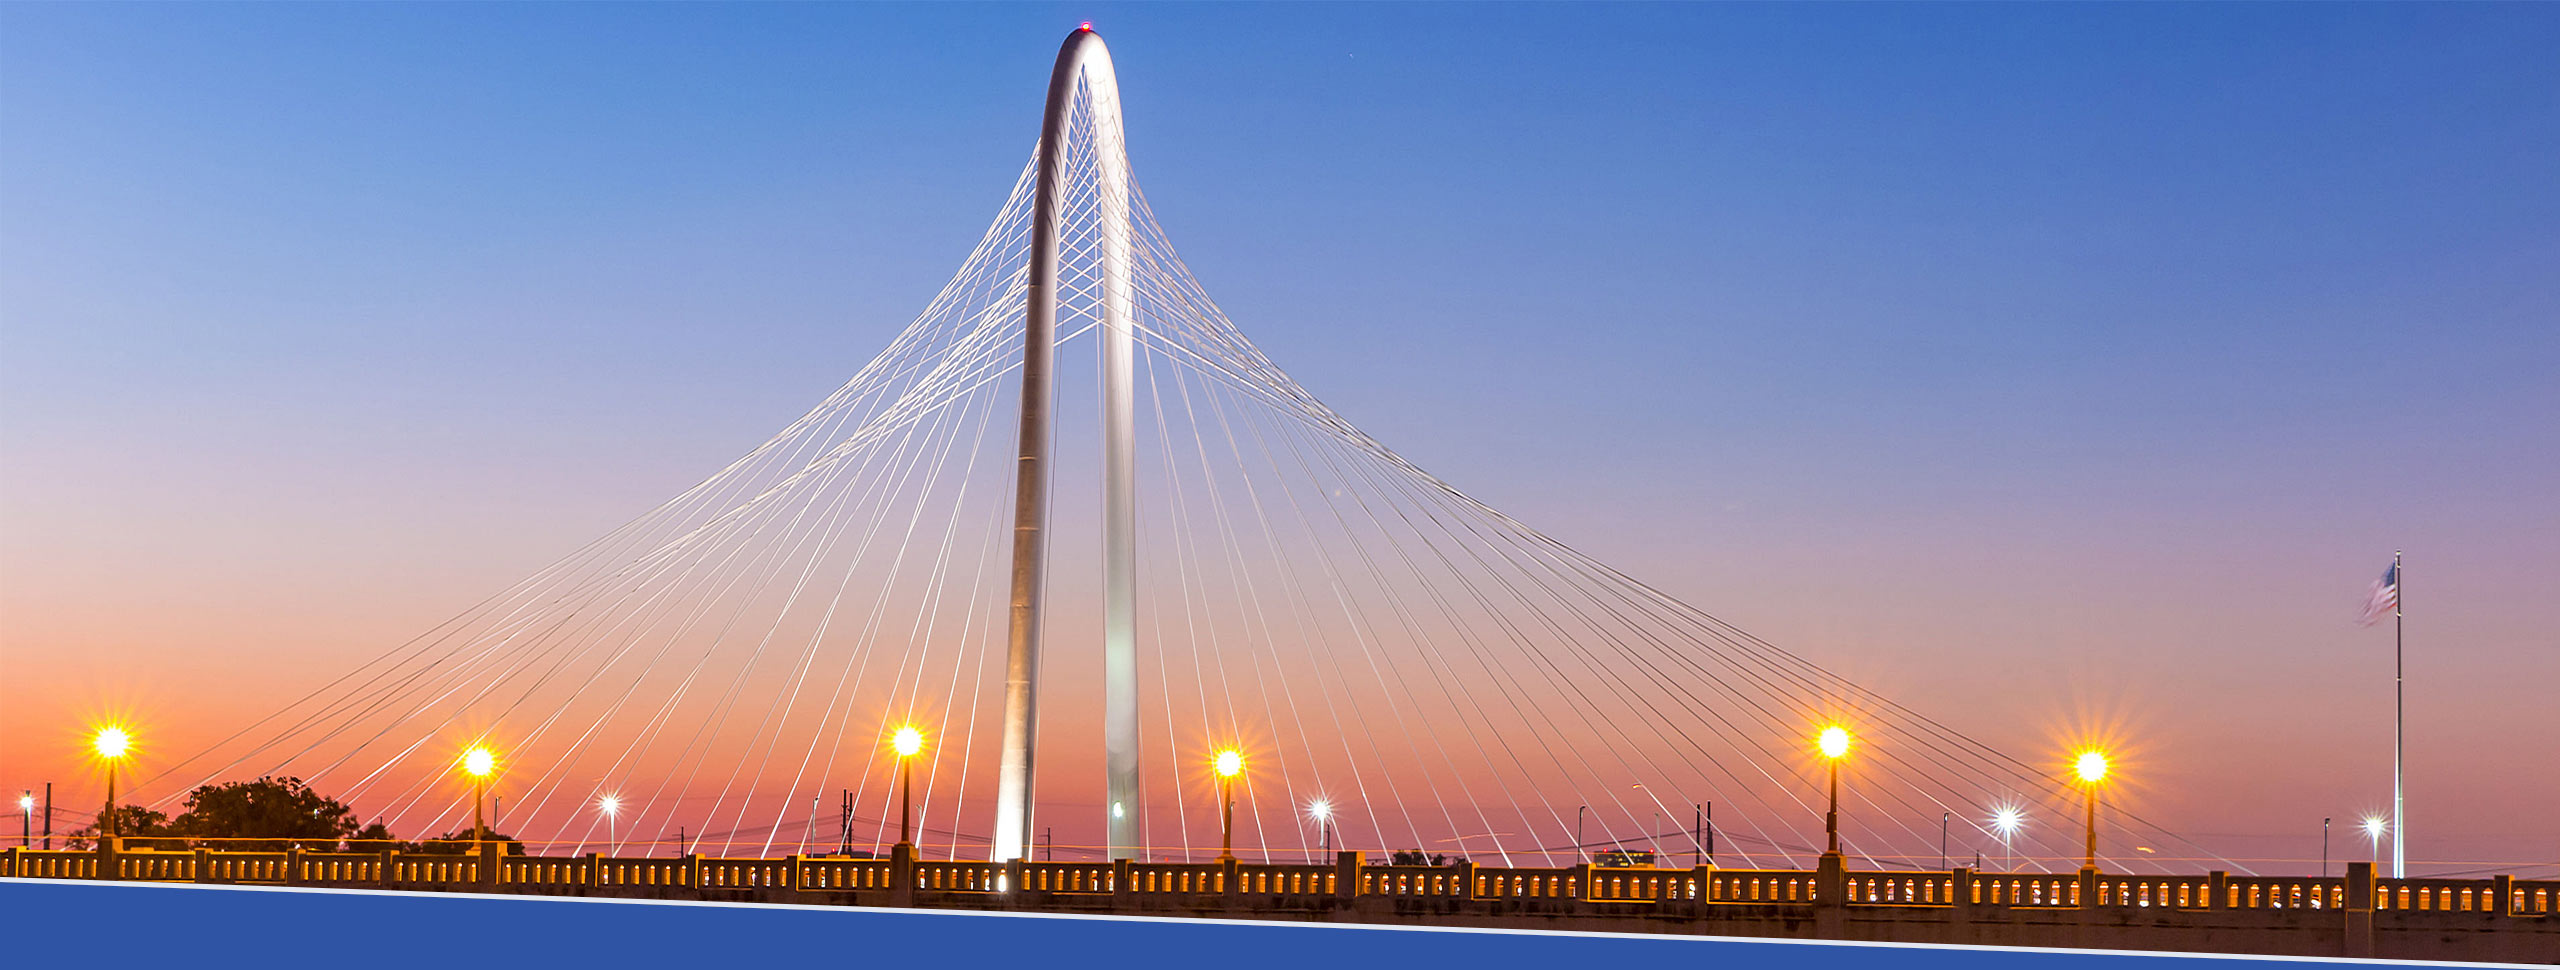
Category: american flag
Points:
column 2385, row 598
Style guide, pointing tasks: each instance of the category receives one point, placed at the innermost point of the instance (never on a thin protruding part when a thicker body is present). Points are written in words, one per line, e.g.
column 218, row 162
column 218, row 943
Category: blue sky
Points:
column 1931, row 338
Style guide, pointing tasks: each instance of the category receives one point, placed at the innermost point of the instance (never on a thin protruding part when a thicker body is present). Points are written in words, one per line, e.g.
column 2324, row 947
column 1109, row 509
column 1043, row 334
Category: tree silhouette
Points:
column 136, row 828
column 266, row 815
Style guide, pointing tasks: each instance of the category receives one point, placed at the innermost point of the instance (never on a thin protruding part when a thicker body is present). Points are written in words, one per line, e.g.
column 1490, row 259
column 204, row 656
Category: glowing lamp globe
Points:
column 112, row 742
column 2007, row 820
column 908, row 741
column 1230, row 763
column 479, row 763
column 1835, row 742
column 2092, row 767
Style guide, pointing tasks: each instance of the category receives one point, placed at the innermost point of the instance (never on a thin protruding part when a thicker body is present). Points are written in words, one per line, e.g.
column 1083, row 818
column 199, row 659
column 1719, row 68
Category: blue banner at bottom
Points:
column 125, row 924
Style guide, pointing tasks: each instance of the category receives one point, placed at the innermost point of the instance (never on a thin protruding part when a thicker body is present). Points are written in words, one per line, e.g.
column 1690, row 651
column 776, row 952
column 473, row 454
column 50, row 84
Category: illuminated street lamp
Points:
column 1834, row 743
column 907, row 742
column 2007, row 820
column 111, row 744
column 2091, row 766
column 611, row 806
column 479, row 764
column 2374, row 827
column 1322, row 811
column 26, row 818
column 1230, row 763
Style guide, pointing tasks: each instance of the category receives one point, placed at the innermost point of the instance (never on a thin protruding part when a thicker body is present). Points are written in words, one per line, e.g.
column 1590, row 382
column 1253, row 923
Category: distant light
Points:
column 610, row 804
column 2092, row 767
column 1230, row 763
column 908, row 742
column 2007, row 819
column 478, row 762
column 2374, row 827
column 1087, row 25
column 1835, row 742
column 26, row 803
column 112, row 742
column 1321, row 809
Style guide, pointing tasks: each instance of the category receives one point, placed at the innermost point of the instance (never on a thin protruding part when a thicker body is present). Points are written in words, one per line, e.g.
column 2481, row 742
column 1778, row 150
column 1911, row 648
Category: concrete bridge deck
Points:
column 2498, row 919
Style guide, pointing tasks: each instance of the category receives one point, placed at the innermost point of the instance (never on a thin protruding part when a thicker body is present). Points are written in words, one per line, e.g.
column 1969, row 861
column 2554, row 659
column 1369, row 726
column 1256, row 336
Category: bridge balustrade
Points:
column 156, row 866
column 1760, row 886
column 1284, row 880
column 1067, row 877
column 1525, row 883
column 641, row 871
column 2026, row 890
column 2465, row 896
column 1163, row 878
column 435, row 870
column 253, row 867
column 1903, row 888
column 340, row 867
column 2169, row 892
column 2280, row 892
column 63, row 864
column 2535, row 898
column 540, row 871
column 721, row 873
column 1414, row 881
column 975, row 877
column 843, row 875
column 1640, row 885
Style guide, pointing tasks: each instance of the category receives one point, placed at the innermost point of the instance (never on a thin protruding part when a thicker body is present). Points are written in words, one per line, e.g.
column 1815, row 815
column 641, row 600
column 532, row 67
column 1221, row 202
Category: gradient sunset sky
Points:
column 2046, row 368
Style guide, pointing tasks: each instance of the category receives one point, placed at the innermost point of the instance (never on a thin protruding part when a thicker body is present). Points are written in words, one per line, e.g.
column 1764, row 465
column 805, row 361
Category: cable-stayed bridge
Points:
column 1210, row 645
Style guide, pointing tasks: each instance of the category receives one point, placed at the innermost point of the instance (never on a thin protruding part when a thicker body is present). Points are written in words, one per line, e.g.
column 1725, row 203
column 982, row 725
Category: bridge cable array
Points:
column 1444, row 677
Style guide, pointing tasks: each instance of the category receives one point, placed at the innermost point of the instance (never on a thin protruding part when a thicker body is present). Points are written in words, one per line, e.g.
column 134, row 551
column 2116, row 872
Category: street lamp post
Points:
column 611, row 806
column 2373, row 829
column 1578, row 843
column 111, row 743
column 908, row 741
column 479, row 763
column 2006, row 819
column 27, row 819
column 1322, row 811
column 2092, row 769
column 1230, row 763
column 2324, row 847
column 1834, row 742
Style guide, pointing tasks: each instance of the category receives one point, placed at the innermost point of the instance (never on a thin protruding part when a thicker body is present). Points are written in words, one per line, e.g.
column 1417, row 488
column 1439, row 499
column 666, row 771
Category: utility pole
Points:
column 844, row 824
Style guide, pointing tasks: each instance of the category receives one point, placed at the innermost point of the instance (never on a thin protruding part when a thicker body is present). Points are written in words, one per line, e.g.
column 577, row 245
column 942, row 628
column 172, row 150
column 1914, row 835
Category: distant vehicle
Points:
column 1624, row 859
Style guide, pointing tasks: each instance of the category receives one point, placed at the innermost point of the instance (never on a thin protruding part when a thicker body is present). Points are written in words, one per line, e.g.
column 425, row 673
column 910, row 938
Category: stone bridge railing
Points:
column 2356, row 915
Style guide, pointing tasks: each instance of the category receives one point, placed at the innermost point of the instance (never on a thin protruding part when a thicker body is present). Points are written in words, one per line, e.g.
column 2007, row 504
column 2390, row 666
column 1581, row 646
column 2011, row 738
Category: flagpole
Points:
column 2399, row 709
